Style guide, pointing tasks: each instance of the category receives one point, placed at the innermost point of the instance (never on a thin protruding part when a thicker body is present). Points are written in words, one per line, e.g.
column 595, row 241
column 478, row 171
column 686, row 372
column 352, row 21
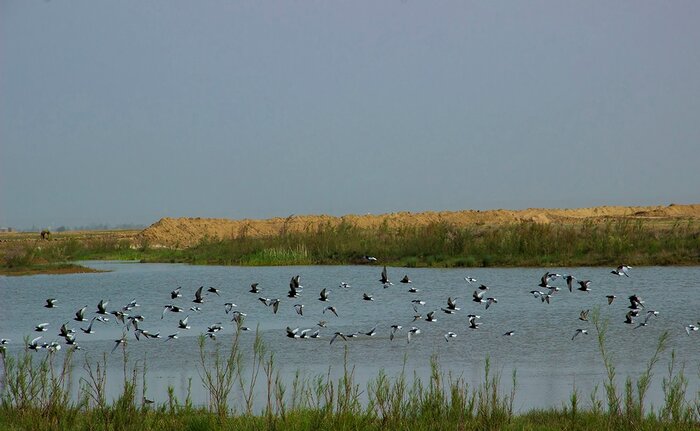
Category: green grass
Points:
column 434, row 245
column 36, row 395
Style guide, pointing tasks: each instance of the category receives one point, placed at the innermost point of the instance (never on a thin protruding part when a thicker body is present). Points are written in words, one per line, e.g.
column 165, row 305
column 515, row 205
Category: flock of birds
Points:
column 133, row 322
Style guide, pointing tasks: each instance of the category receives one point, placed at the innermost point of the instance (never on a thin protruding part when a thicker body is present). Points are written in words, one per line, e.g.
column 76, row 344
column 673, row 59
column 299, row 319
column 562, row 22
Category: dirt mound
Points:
column 185, row 232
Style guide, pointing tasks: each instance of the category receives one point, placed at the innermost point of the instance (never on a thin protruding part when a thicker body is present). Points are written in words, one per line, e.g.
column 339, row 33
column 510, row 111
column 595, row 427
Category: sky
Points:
column 129, row 111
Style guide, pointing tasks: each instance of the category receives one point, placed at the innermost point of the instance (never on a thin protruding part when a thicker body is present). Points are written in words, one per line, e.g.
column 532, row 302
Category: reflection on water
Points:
column 547, row 361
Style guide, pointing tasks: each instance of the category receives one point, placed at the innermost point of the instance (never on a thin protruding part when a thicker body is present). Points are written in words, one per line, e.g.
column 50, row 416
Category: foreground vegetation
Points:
column 434, row 245
column 36, row 394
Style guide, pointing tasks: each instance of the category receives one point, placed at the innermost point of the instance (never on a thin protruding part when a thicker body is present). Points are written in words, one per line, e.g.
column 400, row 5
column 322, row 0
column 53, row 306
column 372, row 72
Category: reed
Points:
column 437, row 244
column 36, row 394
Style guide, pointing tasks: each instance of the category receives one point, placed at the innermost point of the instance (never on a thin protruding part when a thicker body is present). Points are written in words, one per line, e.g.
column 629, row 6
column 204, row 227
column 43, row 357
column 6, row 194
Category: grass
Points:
column 36, row 394
column 524, row 244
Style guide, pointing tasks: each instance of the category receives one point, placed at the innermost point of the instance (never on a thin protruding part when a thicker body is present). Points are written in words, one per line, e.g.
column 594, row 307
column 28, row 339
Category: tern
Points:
column 130, row 305
column 50, row 303
column 172, row 308
column 473, row 324
column 570, row 281
column 621, row 270
column 34, row 344
column 64, row 330
column 611, row 298
column 198, row 296
column 370, row 258
column 385, row 278
column 452, row 304
column 213, row 290
column 292, row 333
column 299, row 308
column 344, row 285
column 182, row 323
column 367, row 297
column 323, row 296
column 414, row 331
column 413, row 290
column 371, row 332
column 238, row 317
column 688, row 328
column 509, row 333
column 430, row 317
column 293, row 290
column 394, row 330
column 331, row 309
column 254, row 288
column 478, row 296
column 579, row 331
column 450, row 334
column 490, row 301
column 469, row 279
column 41, row 327
column 405, row 279
column 176, row 293
column 89, row 330
column 584, row 285
column 635, row 302
column 119, row 342
column 336, row 335
column 295, row 283
column 80, row 315
column 102, row 307
column 628, row 317
column 228, row 306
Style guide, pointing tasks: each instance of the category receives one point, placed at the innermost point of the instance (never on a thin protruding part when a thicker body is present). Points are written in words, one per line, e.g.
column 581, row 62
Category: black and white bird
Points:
column 405, row 279
column 176, row 293
column 213, row 290
column 336, row 335
column 254, row 288
column 611, row 298
column 449, row 335
column 584, row 285
column 412, row 331
column 384, row 279
column 299, row 308
column 323, row 296
column 89, row 330
column 41, row 327
column 332, row 309
column 51, row 303
column 621, row 270
column 198, row 299
column 469, row 279
column 579, row 331
column 102, row 307
column 182, row 323
column 367, row 297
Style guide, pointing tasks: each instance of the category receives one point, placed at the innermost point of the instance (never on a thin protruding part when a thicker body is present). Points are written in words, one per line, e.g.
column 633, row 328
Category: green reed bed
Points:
column 433, row 245
column 445, row 245
column 38, row 392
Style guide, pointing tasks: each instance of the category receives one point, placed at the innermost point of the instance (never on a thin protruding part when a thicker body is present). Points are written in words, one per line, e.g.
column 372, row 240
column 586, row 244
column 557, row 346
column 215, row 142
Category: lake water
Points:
column 547, row 361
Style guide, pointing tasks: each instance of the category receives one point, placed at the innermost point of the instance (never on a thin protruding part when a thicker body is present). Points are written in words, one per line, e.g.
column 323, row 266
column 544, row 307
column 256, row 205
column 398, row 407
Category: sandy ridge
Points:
column 184, row 232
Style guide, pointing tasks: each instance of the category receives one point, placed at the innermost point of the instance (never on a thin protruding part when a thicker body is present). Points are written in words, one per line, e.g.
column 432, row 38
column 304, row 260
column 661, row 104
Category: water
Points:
column 547, row 361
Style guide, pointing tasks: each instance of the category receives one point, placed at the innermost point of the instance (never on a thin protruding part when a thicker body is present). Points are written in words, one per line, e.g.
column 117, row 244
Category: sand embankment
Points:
column 185, row 232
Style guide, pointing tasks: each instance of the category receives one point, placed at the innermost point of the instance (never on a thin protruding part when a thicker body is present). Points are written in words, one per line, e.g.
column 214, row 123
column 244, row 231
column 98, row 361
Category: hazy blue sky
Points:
column 128, row 111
